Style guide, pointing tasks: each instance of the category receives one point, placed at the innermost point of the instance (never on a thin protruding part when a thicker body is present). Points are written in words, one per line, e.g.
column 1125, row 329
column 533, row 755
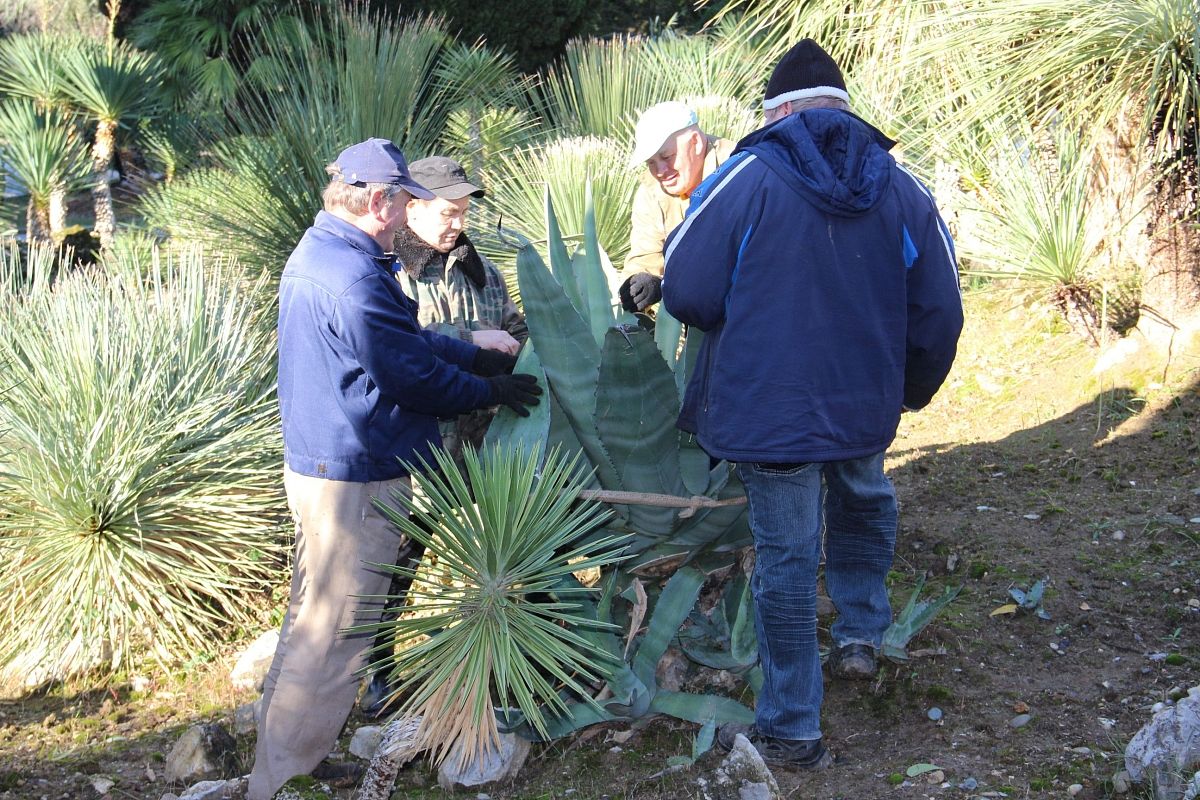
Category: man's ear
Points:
column 698, row 143
column 377, row 201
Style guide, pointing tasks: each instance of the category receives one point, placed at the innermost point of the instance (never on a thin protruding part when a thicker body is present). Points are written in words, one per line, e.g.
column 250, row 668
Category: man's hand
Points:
column 492, row 362
column 640, row 291
column 515, row 391
column 496, row 340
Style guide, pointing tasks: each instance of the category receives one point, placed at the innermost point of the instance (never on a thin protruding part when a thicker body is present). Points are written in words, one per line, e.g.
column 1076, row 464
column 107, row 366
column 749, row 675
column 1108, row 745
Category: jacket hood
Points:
column 836, row 160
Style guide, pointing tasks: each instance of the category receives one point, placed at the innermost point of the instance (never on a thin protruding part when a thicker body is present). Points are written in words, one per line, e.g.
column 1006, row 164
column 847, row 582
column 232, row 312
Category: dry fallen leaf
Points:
column 1007, row 608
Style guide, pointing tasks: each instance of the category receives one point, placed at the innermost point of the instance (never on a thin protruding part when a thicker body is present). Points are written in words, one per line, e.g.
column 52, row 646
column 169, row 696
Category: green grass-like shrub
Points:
column 140, row 499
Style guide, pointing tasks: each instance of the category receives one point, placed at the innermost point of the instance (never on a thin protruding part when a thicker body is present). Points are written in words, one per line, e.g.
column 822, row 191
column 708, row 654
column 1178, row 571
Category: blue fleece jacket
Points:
column 361, row 385
column 825, row 282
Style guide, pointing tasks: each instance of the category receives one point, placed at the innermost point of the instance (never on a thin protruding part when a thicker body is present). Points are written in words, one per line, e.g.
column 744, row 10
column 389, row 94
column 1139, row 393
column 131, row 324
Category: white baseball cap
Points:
column 658, row 123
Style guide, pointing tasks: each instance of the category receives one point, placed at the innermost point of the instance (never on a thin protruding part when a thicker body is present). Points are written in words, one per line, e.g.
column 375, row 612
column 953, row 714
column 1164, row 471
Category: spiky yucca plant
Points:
column 564, row 168
column 358, row 75
column 110, row 85
column 1038, row 225
column 140, row 501
column 45, row 151
column 507, row 629
column 600, row 86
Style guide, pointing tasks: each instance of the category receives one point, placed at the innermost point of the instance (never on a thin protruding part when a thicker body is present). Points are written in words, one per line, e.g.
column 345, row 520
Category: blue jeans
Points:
column 788, row 504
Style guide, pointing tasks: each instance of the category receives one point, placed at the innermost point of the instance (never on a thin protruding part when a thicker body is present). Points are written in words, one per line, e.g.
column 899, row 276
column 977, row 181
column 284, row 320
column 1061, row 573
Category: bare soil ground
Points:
column 1028, row 466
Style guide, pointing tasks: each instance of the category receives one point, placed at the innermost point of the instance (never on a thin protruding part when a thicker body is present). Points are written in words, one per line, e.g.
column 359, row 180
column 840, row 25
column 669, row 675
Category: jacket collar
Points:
column 353, row 236
column 422, row 262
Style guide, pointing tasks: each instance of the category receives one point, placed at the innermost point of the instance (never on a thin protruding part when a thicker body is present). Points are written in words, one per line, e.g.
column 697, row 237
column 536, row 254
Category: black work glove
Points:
column 492, row 362
column 515, row 391
column 640, row 291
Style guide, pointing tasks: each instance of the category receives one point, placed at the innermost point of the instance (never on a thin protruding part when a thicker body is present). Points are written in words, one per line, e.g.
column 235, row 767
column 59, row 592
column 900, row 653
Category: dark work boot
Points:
column 775, row 752
column 855, row 662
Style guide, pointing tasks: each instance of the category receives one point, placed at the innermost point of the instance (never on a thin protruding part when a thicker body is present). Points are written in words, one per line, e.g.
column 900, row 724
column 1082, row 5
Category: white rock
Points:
column 202, row 752
column 497, row 766
column 1166, row 746
column 211, row 790
column 102, row 784
column 1074, row 789
column 366, row 741
column 743, row 775
column 251, row 667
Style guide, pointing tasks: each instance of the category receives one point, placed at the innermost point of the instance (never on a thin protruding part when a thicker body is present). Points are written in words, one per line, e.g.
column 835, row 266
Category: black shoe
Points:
column 793, row 753
column 854, row 662
column 374, row 700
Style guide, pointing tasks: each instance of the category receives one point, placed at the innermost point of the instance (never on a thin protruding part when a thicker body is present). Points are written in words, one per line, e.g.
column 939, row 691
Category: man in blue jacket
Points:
column 361, row 387
column 825, row 283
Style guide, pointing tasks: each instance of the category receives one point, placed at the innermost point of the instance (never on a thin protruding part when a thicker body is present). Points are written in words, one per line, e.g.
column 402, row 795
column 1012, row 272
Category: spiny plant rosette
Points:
column 506, row 627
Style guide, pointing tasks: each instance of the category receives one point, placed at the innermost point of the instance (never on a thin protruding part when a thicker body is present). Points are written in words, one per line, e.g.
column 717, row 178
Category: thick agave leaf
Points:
column 695, row 465
column 531, row 432
column 739, row 613
column 560, row 259
column 568, row 353
column 667, row 331
column 636, row 406
column 701, row 708
column 671, row 609
column 589, row 273
column 912, row 620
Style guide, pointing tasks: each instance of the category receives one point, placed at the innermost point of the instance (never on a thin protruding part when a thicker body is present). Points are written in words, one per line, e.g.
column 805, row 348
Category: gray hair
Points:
column 355, row 199
column 820, row 101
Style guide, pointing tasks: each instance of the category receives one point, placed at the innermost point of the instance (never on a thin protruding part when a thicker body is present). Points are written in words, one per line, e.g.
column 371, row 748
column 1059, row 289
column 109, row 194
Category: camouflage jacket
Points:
column 457, row 293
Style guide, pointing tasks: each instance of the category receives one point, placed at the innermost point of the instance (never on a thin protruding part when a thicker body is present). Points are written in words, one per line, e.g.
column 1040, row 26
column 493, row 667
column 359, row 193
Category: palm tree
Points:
column 357, row 76
column 44, row 150
column 29, row 68
column 111, row 85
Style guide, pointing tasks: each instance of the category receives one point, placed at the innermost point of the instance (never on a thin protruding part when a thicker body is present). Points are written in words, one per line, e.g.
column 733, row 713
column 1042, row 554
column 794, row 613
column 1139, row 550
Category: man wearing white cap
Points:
column 678, row 156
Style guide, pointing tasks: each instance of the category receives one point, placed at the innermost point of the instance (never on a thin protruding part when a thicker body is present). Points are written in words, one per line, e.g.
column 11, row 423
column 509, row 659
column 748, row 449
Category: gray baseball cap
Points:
column 445, row 177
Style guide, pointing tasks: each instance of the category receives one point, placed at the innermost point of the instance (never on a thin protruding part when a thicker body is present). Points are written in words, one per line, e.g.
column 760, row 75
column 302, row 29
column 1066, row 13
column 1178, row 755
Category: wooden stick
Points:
column 689, row 504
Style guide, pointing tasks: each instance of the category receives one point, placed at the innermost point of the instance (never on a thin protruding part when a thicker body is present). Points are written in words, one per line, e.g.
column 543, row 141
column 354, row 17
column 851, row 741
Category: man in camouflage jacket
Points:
column 459, row 292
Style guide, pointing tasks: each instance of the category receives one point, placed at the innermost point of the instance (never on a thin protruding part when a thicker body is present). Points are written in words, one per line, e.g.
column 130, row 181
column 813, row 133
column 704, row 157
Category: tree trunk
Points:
column 394, row 751
column 102, row 153
column 37, row 224
column 58, row 210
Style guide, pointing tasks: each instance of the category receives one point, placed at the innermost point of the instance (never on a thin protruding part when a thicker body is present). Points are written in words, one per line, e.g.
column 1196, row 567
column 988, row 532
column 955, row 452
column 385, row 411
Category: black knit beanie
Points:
column 805, row 71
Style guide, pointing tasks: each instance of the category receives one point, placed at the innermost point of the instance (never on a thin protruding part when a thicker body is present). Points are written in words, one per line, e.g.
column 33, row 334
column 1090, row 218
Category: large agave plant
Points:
column 140, row 504
column 616, row 391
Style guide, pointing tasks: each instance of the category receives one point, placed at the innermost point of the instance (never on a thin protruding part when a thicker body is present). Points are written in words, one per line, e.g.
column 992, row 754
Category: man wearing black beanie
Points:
column 825, row 282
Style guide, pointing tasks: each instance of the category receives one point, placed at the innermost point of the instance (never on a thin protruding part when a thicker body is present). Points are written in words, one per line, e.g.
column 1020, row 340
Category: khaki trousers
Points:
column 311, row 686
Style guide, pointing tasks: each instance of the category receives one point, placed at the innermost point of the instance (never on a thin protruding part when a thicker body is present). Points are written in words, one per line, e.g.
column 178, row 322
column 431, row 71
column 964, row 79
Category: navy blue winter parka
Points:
column 825, row 281
column 361, row 385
